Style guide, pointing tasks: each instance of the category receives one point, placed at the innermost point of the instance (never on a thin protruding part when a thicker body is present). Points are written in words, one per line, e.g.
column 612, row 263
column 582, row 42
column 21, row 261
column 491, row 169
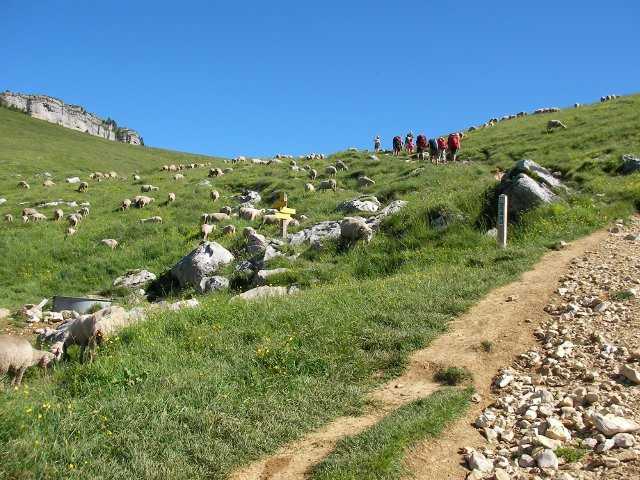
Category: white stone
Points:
column 609, row 425
column 547, row 459
column 477, row 461
column 631, row 373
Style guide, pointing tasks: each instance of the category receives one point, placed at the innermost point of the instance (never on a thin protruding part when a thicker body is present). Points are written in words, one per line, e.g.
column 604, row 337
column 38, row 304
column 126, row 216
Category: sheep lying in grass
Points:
column 149, row 188
column 206, row 229
column 58, row 215
column 226, row 210
column 353, row 229
column 270, row 220
column 214, row 195
column 126, row 203
column 23, row 184
column 8, row 218
column 331, row 171
column 155, row 219
column 83, row 187
column 172, row 197
column 109, row 242
column 328, row 185
column 48, row 183
column 229, row 230
column 249, row 213
column 308, row 187
column 17, row 354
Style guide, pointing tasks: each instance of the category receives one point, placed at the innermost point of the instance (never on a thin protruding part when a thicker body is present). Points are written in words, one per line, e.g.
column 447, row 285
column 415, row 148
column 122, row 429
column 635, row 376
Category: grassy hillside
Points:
column 193, row 394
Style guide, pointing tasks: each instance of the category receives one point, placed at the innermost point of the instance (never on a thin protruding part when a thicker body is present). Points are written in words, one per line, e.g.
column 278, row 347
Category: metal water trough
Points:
column 79, row 304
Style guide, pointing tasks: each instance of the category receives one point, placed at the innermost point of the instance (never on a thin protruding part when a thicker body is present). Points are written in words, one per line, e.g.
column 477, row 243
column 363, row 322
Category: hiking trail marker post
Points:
column 284, row 213
column 502, row 221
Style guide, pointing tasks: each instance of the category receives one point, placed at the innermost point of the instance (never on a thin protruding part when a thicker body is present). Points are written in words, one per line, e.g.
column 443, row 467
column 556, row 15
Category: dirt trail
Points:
column 507, row 324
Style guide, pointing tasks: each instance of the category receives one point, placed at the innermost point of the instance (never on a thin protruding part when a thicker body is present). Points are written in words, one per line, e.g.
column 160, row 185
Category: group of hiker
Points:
column 437, row 149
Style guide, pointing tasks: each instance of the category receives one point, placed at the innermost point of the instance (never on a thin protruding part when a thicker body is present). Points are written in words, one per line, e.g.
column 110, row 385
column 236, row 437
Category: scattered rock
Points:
column 134, row 279
column 202, row 262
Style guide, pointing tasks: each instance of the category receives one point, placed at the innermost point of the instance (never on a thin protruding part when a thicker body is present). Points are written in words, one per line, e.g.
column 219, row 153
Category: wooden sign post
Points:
column 284, row 213
column 502, row 221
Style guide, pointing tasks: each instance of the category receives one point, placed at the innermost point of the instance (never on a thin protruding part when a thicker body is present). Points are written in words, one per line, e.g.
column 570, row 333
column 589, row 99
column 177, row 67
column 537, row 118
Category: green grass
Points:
column 571, row 454
column 195, row 394
column 377, row 453
column 452, row 375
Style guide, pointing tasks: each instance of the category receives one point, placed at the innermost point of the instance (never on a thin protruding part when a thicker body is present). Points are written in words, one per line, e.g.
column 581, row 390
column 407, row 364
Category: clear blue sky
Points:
column 259, row 78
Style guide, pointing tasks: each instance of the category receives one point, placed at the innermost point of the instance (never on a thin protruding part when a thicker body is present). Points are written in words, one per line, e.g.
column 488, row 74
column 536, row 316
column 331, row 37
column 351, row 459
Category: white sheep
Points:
column 331, row 171
column 126, row 203
column 215, row 172
column 36, row 217
column 206, row 229
column 142, row 201
column 71, row 231
column 84, row 211
column 74, row 219
column 249, row 213
column 354, row 228
column 365, row 181
column 178, row 176
column 216, row 217
column 17, row 354
column 340, row 165
column 155, row 219
column 313, row 174
column 270, row 220
column 551, row 124
column 8, row 218
column 172, row 197
column 48, row 183
column 328, row 185
column 308, row 187
column 214, row 195
column 229, row 230
column 23, row 184
column 149, row 188
column 83, row 187
column 58, row 215
column 136, row 177
column 109, row 242
column 226, row 210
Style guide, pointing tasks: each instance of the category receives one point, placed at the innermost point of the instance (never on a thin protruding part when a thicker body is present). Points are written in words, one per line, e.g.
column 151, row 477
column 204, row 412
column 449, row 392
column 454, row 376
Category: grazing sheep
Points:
column 136, row 177
column 214, row 195
column 229, row 230
column 172, row 197
column 216, row 217
column 328, row 185
column 109, row 242
column 71, row 231
column 178, row 176
column 155, row 219
column 84, row 211
column 206, row 229
column 551, row 124
column 331, row 171
column 249, row 213
column 8, row 218
column 27, row 212
column 58, row 215
column 36, row 217
column 270, row 220
column 17, row 354
column 313, row 174
column 74, row 219
column 215, row 172
column 142, row 201
column 308, row 187
column 25, row 219
column 149, row 188
column 48, row 183
column 23, row 184
column 126, row 203
column 83, row 187
column 226, row 210
column 353, row 229
column 340, row 165
column 365, row 181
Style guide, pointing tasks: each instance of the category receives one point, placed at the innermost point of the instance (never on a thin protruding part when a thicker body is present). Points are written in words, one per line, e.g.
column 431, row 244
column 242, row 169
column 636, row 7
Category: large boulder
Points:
column 260, row 293
column 196, row 268
column 249, row 196
column 316, row 233
column 527, row 185
column 630, row 164
column 366, row 203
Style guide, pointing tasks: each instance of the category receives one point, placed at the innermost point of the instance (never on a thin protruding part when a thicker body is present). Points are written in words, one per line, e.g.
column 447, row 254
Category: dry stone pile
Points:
column 570, row 408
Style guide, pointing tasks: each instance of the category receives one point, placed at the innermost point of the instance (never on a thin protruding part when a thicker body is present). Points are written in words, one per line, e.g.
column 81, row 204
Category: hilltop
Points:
column 195, row 393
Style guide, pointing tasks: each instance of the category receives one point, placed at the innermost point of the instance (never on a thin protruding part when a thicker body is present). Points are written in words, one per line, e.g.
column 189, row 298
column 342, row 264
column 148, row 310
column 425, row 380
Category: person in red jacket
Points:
column 422, row 146
column 453, row 142
column 397, row 145
column 442, row 150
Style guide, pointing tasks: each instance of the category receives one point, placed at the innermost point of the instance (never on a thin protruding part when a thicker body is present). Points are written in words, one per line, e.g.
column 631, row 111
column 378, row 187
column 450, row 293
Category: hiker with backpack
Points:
column 433, row 150
column 453, row 142
column 397, row 145
column 421, row 146
column 442, row 150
